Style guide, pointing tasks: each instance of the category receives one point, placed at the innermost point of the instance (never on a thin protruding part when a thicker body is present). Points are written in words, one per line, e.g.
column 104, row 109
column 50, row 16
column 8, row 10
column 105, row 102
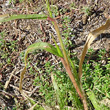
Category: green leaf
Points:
column 7, row 17
column 58, row 93
column 58, row 49
column 42, row 45
column 48, row 7
column 93, row 99
column 39, row 45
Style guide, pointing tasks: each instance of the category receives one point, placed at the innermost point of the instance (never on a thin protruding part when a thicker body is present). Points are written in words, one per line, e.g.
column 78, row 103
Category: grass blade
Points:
column 48, row 7
column 42, row 45
column 92, row 35
column 57, row 91
column 7, row 17
column 93, row 100
column 39, row 45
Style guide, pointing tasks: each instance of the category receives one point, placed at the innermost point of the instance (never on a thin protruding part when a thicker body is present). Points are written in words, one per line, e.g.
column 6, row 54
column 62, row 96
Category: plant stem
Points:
column 60, row 39
column 48, row 7
column 67, row 66
column 79, row 91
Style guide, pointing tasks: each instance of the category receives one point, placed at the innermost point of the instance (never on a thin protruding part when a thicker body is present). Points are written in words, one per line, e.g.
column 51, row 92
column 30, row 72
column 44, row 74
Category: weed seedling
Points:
column 59, row 79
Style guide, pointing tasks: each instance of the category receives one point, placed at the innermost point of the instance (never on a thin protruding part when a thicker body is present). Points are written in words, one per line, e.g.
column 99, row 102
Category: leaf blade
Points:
column 7, row 17
column 93, row 99
column 91, row 37
column 45, row 46
column 38, row 45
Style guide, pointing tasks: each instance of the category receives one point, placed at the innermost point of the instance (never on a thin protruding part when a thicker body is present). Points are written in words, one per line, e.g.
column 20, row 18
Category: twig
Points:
column 34, row 90
column 18, row 89
column 7, row 82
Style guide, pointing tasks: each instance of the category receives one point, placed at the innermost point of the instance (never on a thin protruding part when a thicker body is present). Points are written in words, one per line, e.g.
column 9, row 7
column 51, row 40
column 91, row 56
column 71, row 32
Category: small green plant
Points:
column 65, row 91
column 69, row 65
column 7, row 48
column 96, row 77
column 54, row 10
column 87, row 10
column 73, row 6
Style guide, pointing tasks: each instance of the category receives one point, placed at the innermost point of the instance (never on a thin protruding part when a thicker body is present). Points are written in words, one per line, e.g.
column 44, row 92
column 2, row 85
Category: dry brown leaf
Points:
column 91, row 37
column 21, row 78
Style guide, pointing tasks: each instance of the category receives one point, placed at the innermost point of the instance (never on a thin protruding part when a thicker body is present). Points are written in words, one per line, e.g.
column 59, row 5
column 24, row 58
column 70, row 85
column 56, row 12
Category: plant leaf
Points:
column 58, row 48
column 92, row 35
column 57, row 91
column 42, row 45
column 39, row 45
column 93, row 100
column 7, row 17
column 21, row 78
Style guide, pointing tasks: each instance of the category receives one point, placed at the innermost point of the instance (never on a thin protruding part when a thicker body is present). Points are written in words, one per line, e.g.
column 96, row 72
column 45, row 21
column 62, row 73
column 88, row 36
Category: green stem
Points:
column 21, row 16
column 60, row 39
column 48, row 7
column 78, row 89
column 67, row 66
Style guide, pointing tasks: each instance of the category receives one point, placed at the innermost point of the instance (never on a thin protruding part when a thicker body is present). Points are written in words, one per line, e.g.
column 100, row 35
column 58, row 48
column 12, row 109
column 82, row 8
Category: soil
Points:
column 27, row 32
